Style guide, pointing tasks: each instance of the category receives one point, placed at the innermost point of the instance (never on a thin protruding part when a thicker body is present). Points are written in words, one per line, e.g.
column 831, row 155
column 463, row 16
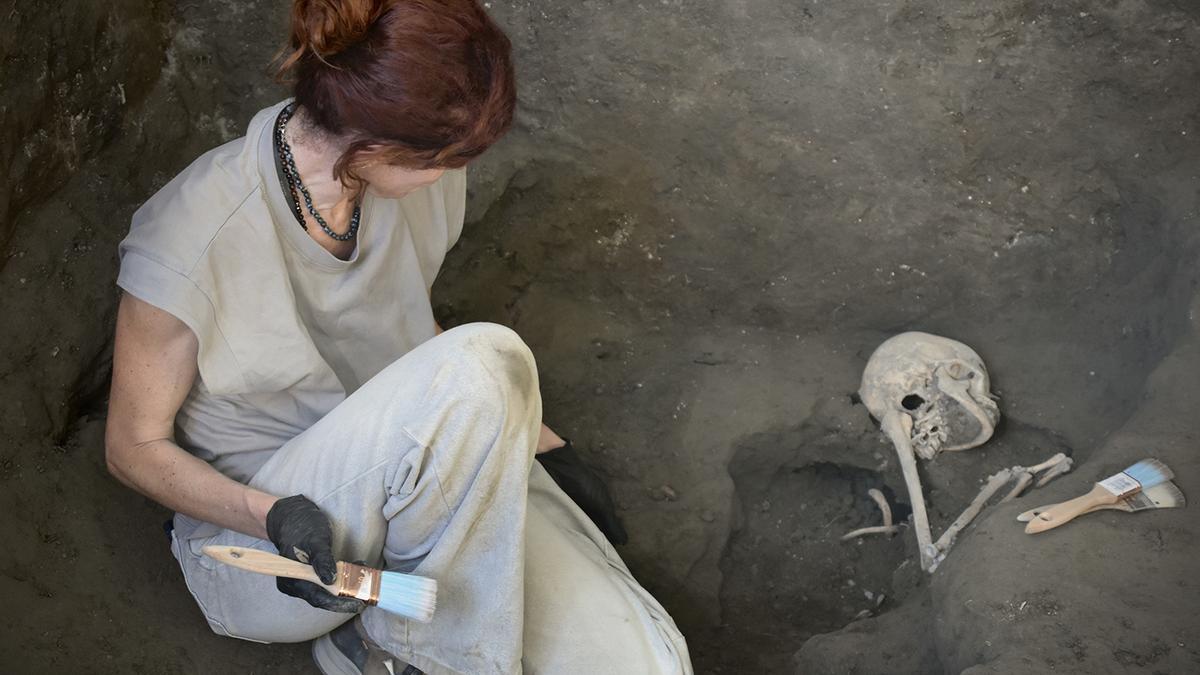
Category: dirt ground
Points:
column 707, row 217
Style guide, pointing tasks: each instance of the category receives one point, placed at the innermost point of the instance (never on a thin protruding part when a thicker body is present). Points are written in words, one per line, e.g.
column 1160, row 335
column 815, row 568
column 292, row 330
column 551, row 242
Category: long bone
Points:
column 990, row 488
column 898, row 428
column 1023, row 475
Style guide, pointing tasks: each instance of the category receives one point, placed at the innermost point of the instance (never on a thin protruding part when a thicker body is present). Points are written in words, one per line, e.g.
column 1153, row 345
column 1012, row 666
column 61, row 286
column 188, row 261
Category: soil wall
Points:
column 705, row 219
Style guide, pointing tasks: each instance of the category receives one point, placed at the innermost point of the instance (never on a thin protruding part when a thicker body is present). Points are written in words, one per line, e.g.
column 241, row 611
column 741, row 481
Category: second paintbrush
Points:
column 1142, row 475
column 1162, row 496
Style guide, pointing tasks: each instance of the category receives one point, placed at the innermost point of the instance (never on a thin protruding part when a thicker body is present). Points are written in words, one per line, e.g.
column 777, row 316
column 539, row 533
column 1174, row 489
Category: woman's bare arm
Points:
column 154, row 367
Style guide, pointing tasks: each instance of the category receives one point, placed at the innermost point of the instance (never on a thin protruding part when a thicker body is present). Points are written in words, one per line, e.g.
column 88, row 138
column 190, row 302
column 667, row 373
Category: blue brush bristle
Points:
column 408, row 595
column 1149, row 472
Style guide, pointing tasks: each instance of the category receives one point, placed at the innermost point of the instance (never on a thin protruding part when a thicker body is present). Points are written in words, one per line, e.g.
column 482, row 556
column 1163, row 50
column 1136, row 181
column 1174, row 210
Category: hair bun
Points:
column 327, row 27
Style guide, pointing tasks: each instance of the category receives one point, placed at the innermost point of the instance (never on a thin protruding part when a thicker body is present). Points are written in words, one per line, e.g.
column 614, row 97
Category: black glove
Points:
column 583, row 485
column 301, row 532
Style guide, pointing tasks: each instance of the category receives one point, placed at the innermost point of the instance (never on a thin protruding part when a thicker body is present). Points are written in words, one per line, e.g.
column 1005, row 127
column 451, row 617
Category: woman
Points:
column 278, row 383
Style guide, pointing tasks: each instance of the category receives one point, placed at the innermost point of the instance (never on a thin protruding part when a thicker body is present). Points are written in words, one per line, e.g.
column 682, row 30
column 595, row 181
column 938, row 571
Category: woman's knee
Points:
column 298, row 627
column 500, row 352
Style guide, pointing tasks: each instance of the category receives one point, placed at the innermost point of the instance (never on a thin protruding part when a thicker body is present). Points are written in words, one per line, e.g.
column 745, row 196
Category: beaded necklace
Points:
column 297, row 187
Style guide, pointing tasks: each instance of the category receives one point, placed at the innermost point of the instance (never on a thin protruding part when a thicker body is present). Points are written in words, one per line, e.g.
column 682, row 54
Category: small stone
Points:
column 669, row 493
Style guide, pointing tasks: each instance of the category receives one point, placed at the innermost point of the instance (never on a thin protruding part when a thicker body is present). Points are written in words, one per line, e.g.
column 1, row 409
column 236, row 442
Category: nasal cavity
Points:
column 912, row 402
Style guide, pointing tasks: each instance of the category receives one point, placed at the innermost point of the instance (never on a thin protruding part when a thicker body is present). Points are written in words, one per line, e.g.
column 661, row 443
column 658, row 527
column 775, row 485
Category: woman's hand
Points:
column 301, row 532
column 585, row 487
column 548, row 440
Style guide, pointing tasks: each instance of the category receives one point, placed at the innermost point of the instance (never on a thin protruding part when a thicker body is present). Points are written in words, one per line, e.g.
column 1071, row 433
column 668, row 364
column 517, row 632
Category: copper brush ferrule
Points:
column 358, row 581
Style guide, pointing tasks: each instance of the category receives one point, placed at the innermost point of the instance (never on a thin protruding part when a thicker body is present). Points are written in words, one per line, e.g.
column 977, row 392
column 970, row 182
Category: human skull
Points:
column 941, row 384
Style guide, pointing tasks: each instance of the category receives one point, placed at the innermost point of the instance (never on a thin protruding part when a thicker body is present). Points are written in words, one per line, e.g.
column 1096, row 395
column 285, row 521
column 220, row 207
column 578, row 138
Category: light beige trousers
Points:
column 428, row 468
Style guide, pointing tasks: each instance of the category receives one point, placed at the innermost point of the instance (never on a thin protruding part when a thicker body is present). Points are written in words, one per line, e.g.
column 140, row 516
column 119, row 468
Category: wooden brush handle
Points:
column 1029, row 515
column 1061, row 514
column 254, row 560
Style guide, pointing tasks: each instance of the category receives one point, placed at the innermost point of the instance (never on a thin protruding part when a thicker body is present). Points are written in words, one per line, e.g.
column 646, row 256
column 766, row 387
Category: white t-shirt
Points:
column 286, row 329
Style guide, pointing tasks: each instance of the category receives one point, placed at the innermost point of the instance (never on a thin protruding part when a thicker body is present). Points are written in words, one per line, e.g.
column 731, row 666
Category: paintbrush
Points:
column 1162, row 496
column 408, row 595
column 1146, row 473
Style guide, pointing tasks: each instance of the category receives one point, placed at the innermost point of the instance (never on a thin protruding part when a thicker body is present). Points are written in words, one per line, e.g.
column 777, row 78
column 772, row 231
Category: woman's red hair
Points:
column 416, row 83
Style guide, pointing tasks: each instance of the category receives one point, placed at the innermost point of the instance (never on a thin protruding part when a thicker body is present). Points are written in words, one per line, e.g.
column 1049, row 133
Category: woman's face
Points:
column 393, row 182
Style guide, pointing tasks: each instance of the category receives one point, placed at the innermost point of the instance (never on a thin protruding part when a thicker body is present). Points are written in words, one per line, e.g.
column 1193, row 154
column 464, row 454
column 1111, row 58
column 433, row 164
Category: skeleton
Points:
column 930, row 395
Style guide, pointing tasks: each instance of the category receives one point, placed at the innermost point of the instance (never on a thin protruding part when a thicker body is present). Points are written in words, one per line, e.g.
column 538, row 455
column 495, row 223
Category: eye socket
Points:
column 912, row 402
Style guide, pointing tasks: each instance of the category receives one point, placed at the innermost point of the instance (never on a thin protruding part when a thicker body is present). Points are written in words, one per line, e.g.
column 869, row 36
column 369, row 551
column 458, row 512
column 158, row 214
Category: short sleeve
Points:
column 174, row 292
column 454, row 191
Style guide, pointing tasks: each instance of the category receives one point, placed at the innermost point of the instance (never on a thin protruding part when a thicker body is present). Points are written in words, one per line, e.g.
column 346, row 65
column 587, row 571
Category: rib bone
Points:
column 885, row 510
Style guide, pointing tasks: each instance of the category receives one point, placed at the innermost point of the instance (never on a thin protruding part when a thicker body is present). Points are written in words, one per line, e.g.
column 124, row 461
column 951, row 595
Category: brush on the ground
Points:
column 408, row 595
column 1162, row 496
column 1145, row 474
